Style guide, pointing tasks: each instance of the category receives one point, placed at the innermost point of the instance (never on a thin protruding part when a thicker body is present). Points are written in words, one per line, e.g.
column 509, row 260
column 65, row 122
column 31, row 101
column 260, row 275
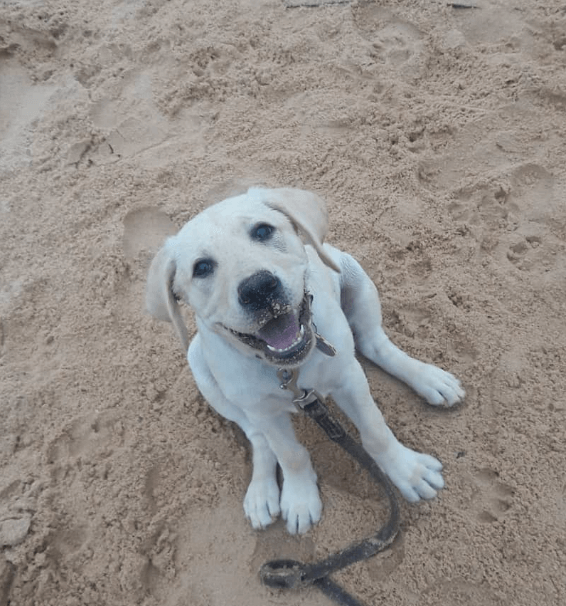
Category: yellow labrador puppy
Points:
column 263, row 287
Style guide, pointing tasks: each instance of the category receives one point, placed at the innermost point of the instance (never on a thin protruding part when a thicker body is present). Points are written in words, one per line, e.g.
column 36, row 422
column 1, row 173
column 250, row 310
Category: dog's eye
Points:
column 262, row 232
column 203, row 268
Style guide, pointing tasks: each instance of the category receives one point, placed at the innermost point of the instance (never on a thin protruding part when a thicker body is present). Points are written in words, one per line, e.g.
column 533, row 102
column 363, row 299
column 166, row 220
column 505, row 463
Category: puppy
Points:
column 265, row 291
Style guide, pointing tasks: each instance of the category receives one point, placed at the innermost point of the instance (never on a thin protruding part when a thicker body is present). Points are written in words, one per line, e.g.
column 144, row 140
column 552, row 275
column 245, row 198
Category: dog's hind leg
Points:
column 261, row 503
column 360, row 302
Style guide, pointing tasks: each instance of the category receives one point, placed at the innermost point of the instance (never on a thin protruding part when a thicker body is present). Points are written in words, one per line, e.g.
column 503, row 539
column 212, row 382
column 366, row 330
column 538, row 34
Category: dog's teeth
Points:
column 296, row 342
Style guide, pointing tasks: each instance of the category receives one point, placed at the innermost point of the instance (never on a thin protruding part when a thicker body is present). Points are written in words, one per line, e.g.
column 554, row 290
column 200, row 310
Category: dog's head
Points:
column 242, row 267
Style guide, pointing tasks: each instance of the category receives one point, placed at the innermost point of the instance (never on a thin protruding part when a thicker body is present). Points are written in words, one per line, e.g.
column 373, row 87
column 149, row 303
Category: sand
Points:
column 437, row 136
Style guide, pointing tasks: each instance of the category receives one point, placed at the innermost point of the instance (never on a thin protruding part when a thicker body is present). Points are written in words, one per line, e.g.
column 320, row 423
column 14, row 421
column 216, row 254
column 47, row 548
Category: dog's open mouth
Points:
column 284, row 340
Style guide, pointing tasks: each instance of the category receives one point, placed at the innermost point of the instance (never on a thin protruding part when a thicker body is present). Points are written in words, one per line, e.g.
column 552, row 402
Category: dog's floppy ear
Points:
column 159, row 297
column 307, row 212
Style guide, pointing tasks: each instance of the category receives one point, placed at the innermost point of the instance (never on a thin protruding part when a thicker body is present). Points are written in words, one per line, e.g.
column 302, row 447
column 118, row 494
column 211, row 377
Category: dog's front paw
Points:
column 416, row 475
column 301, row 506
column 436, row 386
column 261, row 504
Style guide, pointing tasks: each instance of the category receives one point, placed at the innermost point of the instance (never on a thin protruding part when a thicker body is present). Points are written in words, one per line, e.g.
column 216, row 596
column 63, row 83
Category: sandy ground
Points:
column 437, row 136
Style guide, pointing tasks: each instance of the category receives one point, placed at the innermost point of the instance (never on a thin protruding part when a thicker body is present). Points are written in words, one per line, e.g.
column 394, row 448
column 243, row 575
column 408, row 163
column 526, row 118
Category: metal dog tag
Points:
column 324, row 346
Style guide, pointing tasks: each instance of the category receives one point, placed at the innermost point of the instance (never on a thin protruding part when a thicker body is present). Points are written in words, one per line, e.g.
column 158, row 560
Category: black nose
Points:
column 259, row 291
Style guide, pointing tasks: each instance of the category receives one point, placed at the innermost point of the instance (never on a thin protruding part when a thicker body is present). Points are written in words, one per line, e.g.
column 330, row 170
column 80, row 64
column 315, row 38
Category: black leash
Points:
column 291, row 574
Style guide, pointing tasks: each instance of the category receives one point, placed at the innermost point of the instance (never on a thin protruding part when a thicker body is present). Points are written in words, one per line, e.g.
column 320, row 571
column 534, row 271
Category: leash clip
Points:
column 303, row 397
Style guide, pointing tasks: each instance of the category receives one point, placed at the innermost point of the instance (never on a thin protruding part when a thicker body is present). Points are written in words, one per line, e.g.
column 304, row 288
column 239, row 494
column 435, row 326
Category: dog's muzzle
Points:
column 286, row 337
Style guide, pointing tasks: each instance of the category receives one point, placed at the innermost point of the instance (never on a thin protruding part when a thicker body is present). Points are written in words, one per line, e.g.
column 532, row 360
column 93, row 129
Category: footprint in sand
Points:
column 133, row 122
column 395, row 42
column 145, row 229
column 514, row 218
column 66, row 542
column 85, row 436
column 533, row 246
column 492, row 497
column 529, row 254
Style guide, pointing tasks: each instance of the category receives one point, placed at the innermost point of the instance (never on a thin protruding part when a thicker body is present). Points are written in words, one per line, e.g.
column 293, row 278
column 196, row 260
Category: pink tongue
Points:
column 281, row 332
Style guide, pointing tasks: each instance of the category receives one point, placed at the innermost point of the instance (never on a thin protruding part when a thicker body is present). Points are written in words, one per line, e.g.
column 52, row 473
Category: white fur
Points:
column 245, row 389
